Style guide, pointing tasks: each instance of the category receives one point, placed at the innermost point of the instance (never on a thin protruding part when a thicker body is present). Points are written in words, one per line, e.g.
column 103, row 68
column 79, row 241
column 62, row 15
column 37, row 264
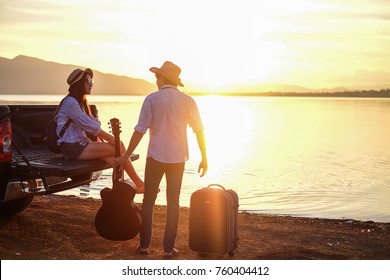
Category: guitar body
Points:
column 118, row 218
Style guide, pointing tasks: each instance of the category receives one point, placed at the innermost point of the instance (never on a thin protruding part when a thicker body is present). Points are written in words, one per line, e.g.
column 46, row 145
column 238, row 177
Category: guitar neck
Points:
column 117, row 146
column 118, row 169
column 115, row 126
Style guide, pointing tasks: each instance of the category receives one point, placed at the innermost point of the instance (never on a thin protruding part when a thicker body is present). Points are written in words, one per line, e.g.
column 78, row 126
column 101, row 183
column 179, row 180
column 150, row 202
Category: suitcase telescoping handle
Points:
column 215, row 185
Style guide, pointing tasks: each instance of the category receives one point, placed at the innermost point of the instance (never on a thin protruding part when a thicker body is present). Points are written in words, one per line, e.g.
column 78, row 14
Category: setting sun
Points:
column 229, row 127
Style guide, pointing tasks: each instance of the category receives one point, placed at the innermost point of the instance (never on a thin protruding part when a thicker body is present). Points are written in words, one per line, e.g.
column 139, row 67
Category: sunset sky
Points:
column 219, row 44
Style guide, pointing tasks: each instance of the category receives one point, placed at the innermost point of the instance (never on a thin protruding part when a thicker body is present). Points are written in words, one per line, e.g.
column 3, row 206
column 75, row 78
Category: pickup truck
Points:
column 27, row 167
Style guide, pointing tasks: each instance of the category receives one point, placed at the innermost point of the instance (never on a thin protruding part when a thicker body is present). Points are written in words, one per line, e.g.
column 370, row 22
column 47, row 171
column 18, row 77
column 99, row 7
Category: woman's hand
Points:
column 111, row 141
column 107, row 137
column 120, row 160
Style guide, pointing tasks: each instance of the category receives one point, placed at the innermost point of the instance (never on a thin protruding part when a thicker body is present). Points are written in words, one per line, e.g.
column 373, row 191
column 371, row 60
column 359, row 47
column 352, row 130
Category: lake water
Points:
column 313, row 157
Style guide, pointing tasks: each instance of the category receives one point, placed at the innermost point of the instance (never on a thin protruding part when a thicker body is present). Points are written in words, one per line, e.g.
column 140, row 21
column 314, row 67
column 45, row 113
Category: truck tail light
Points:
column 5, row 140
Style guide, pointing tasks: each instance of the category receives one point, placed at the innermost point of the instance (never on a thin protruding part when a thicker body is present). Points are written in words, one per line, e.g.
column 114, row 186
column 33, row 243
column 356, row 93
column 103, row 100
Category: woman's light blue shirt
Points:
column 81, row 122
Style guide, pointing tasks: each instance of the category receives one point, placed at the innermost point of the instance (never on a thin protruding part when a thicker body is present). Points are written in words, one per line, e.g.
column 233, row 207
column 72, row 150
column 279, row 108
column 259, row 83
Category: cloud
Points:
column 243, row 41
column 29, row 12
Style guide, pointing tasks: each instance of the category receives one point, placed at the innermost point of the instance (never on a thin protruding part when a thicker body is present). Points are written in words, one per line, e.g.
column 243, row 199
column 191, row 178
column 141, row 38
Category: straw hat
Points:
column 169, row 71
column 77, row 74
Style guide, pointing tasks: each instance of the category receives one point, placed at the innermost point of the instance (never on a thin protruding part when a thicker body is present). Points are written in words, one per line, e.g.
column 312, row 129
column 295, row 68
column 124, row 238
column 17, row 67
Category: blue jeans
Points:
column 154, row 171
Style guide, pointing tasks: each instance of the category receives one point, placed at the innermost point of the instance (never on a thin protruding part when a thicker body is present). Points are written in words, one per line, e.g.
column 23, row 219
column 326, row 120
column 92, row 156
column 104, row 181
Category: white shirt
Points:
column 166, row 113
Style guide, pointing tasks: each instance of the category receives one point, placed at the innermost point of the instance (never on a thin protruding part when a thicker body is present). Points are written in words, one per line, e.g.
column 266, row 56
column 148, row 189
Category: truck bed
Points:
column 31, row 159
column 41, row 162
column 29, row 123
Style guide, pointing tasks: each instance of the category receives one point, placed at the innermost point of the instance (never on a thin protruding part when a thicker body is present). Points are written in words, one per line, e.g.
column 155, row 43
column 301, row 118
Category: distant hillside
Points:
column 28, row 75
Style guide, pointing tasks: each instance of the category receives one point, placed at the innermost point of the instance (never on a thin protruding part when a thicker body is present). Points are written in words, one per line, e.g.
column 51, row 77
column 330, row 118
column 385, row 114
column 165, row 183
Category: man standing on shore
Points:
column 166, row 113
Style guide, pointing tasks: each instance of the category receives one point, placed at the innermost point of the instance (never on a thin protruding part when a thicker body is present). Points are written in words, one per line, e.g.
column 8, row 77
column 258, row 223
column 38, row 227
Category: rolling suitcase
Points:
column 213, row 220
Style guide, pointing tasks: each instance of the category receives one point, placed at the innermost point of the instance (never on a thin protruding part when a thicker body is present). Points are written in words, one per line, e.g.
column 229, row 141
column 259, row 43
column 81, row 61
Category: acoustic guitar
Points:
column 118, row 218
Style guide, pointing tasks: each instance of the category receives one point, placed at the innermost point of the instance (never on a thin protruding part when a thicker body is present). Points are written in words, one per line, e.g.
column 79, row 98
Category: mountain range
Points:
column 28, row 75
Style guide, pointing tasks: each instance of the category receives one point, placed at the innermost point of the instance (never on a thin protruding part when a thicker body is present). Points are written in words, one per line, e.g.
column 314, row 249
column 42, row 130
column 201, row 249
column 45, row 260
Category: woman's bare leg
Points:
column 129, row 168
column 97, row 150
column 105, row 151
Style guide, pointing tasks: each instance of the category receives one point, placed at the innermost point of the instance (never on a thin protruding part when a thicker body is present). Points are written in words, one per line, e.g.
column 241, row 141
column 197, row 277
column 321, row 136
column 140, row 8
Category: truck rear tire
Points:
column 13, row 207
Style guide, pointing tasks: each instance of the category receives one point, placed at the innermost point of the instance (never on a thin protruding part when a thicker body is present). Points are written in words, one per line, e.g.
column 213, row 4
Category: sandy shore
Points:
column 62, row 227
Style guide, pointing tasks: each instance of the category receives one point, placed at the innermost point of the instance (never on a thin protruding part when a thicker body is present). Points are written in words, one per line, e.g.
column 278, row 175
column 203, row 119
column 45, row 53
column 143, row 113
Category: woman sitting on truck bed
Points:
column 75, row 144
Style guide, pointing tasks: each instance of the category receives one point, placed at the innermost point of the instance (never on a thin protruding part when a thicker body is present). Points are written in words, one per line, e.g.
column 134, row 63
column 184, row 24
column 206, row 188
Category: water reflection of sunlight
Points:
column 228, row 126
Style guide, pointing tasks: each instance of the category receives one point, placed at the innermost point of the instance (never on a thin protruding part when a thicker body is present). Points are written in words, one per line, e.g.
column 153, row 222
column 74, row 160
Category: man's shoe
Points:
column 142, row 251
column 171, row 254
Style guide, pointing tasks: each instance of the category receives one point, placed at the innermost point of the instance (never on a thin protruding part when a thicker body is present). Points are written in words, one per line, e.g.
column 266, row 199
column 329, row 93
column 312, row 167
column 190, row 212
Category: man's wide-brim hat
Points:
column 77, row 75
column 170, row 71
